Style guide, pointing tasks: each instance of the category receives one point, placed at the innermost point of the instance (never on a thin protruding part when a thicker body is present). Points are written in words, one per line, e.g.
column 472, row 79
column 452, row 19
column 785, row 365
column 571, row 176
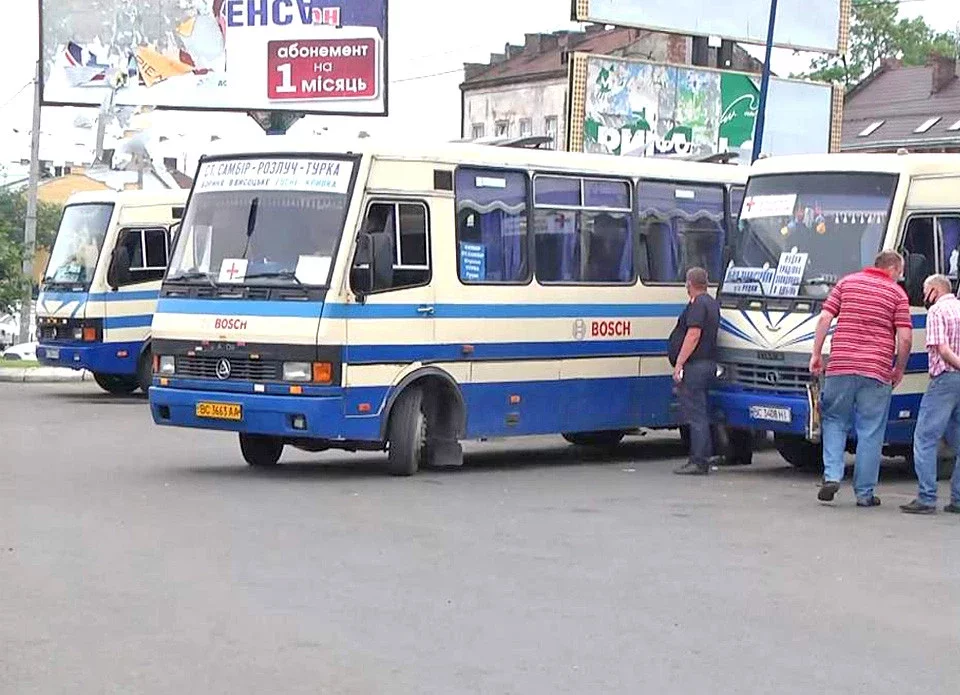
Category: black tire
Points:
column 799, row 453
column 406, row 434
column 116, row 384
column 260, row 450
column 145, row 371
column 740, row 445
column 595, row 440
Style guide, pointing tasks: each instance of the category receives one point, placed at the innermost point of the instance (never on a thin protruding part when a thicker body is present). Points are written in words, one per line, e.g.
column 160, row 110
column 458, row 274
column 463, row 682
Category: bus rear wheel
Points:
column 260, row 450
column 799, row 453
column 145, row 371
column 116, row 384
column 407, row 434
column 595, row 440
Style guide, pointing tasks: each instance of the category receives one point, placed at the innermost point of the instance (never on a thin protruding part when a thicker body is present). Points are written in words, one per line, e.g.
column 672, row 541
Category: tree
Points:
column 13, row 215
column 876, row 35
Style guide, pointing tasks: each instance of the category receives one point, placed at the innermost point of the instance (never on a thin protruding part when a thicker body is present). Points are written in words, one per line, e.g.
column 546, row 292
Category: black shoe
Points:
column 918, row 507
column 828, row 490
column 692, row 469
column 873, row 501
column 952, row 508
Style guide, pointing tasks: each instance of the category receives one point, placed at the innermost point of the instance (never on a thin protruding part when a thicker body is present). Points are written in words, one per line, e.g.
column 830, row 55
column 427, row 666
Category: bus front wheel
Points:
column 595, row 440
column 145, row 371
column 260, row 450
column 407, row 434
column 116, row 384
column 799, row 453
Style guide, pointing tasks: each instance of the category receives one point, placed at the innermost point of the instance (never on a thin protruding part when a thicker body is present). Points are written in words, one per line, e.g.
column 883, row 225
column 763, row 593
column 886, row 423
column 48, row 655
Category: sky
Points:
column 429, row 42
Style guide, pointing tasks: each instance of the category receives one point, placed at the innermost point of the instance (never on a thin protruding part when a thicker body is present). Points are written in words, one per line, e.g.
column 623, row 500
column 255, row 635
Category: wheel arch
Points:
column 437, row 378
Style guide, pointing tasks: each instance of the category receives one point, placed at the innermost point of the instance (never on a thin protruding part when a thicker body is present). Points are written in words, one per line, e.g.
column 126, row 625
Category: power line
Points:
column 16, row 94
column 424, row 77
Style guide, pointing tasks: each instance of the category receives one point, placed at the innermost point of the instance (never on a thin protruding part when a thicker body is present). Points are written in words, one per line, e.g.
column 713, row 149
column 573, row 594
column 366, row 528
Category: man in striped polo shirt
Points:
column 873, row 324
column 940, row 408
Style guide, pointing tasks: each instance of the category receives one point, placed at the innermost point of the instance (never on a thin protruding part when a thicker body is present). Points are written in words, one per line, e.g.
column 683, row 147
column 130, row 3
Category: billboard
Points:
column 631, row 107
column 813, row 25
column 307, row 56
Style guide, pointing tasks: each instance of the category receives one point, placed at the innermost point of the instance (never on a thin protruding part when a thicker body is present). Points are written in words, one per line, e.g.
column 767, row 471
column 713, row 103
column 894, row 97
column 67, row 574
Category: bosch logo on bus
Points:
column 229, row 324
column 610, row 329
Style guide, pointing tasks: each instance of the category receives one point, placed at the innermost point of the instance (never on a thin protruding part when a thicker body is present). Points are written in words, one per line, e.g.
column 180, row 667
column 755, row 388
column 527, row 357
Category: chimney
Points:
column 497, row 58
column 549, row 42
column 531, row 42
column 512, row 51
column 594, row 29
column 944, row 71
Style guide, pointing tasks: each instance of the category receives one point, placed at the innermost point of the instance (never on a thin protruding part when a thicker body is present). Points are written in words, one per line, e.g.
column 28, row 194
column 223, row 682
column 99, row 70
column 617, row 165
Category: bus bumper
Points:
column 786, row 413
column 102, row 358
column 286, row 416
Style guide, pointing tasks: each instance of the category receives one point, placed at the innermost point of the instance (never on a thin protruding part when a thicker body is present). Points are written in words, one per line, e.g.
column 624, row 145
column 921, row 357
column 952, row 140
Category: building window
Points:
column 870, row 129
column 927, row 125
column 551, row 130
column 683, row 227
column 477, row 131
column 492, row 226
column 584, row 230
column 503, row 129
column 526, row 127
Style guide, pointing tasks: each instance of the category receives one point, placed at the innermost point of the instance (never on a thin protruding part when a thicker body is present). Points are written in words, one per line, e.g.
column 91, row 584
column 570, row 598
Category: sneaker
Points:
column 918, row 507
column 873, row 501
column 828, row 490
column 952, row 508
column 692, row 469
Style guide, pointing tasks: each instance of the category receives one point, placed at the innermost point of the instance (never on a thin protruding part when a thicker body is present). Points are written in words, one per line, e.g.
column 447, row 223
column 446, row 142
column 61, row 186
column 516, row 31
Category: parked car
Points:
column 23, row 351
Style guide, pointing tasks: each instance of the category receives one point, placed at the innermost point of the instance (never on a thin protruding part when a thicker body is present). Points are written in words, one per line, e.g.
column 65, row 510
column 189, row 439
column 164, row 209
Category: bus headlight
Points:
column 167, row 365
column 722, row 372
column 297, row 371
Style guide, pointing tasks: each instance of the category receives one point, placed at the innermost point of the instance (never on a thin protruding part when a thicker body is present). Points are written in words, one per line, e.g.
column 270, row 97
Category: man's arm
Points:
column 949, row 356
column 690, row 342
column 819, row 338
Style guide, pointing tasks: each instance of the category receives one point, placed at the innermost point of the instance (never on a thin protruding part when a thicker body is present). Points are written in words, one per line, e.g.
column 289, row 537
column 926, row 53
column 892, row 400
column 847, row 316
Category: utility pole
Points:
column 30, row 228
column 764, row 86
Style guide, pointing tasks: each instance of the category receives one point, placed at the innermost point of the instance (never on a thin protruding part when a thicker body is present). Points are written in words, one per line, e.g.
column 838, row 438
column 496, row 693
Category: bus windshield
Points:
column 801, row 233
column 263, row 221
column 73, row 260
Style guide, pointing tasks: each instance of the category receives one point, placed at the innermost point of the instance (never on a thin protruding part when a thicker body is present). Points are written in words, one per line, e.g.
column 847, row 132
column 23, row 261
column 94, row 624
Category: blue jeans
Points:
column 859, row 401
column 939, row 417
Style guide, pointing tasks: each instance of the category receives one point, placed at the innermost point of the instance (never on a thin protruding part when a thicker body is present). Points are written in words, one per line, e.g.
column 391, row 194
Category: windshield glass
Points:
column 73, row 260
column 263, row 221
column 801, row 233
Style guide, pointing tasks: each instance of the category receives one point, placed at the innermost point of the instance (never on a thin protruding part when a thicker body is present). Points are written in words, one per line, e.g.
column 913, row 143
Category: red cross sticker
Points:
column 232, row 270
column 750, row 204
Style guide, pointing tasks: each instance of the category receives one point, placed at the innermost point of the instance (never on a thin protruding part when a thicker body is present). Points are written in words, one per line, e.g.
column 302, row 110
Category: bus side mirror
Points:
column 119, row 271
column 374, row 258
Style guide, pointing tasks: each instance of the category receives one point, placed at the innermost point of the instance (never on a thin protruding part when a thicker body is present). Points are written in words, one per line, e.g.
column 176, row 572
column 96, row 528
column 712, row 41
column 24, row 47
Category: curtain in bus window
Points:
column 684, row 227
column 492, row 225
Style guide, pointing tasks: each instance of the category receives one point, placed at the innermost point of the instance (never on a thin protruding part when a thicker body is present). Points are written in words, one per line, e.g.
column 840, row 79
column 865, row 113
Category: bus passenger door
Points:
column 394, row 325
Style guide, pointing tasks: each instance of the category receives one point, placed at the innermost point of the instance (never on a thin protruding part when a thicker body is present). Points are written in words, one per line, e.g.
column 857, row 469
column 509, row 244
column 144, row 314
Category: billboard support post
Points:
column 275, row 122
column 764, row 85
column 30, row 226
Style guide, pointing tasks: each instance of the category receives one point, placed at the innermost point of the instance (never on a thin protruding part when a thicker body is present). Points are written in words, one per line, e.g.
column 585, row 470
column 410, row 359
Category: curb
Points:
column 43, row 375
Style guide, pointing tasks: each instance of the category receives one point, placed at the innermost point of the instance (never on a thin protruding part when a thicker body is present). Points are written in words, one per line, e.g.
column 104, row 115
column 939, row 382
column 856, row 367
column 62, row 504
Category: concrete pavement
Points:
column 140, row 559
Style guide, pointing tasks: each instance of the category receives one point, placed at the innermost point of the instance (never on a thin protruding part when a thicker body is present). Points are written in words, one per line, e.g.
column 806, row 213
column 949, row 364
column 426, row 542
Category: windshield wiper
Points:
column 824, row 280
column 194, row 275
column 251, row 224
column 278, row 274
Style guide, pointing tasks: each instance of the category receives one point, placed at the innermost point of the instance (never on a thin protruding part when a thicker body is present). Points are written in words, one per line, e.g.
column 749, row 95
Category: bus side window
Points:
column 919, row 242
column 407, row 224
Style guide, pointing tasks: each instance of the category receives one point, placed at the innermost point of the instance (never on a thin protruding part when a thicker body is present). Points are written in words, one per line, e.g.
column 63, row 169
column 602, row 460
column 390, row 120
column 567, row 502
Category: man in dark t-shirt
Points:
column 693, row 354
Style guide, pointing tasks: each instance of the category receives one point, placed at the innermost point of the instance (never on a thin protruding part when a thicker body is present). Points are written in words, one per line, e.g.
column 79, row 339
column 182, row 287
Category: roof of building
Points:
column 899, row 106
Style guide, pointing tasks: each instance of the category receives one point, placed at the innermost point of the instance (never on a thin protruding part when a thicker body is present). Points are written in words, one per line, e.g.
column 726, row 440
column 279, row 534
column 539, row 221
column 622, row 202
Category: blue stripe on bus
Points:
column 120, row 296
column 141, row 321
column 401, row 311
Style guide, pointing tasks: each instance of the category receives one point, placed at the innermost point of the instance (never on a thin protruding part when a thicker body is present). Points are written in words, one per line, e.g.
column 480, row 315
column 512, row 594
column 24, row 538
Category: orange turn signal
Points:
column 156, row 363
column 296, row 390
column 322, row 372
column 89, row 334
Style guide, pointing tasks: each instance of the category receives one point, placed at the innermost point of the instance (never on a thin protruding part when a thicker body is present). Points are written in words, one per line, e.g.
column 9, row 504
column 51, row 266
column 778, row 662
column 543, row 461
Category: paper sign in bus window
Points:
column 473, row 262
column 232, row 271
column 757, row 206
column 313, row 270
column 789, row 276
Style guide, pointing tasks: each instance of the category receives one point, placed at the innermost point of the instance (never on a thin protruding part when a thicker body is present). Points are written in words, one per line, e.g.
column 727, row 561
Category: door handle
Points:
column 425, row 310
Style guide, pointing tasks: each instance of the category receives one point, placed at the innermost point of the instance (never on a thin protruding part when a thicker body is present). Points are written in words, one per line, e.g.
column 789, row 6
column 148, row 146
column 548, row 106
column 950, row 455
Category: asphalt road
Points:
column 136, row 559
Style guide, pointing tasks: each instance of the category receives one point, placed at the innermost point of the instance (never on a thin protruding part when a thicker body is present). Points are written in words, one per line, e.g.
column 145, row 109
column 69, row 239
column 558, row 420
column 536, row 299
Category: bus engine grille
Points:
column 764, row 377
column 241, row 368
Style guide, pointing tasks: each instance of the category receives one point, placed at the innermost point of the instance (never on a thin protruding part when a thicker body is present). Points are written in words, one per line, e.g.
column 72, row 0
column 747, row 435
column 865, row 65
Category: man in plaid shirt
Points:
column 940, row 408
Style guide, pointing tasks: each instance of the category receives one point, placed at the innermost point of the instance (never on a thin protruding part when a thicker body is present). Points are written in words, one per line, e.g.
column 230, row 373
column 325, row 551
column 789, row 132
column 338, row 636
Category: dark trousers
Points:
column 698, row 377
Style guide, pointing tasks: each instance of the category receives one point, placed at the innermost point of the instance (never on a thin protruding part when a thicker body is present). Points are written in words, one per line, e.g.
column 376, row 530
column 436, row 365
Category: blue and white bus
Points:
column 101, row 283
column 407, row 299
column 805, row 223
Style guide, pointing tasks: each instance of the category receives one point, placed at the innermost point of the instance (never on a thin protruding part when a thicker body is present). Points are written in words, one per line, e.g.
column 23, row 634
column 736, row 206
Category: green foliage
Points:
column 13, row 214
column 876, row 35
